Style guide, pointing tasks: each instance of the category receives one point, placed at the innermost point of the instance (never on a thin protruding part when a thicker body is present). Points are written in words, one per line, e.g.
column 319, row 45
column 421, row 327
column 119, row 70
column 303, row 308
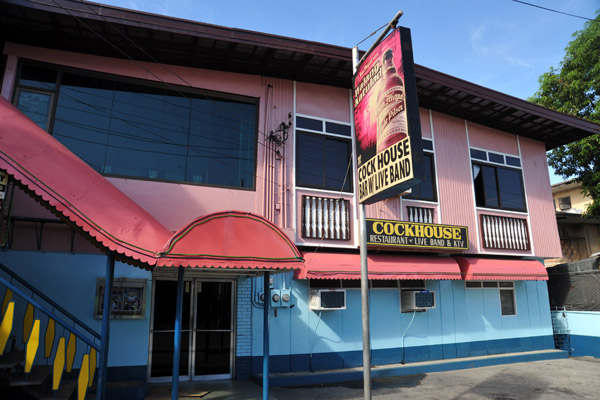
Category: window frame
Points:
column 431, row 154
column 564, row 203
column 55, row 92
column 496, row 167
column 499, row 286
column 298, row 132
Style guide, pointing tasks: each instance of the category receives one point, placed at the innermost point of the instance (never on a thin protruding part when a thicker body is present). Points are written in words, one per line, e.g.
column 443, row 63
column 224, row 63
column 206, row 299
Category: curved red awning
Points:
column 231, row 239
column 73, row 189
column 320, row 265
column 480, row 269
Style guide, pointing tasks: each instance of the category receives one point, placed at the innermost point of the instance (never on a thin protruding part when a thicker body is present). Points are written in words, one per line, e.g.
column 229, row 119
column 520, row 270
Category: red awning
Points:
column 74, row 190
column 231, row 239
column 320, row 265
column 478, row 269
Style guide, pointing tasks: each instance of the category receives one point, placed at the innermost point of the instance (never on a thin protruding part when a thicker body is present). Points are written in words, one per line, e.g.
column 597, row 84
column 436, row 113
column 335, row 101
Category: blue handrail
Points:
column 49, row 313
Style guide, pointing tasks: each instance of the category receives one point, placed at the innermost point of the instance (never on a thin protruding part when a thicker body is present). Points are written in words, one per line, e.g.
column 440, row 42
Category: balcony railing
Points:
column 420, row 214
column 504, row 233
column 325, row 218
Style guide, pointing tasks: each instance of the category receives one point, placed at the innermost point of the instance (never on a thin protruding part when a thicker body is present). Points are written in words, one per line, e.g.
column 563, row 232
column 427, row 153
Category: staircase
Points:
column 39, row 342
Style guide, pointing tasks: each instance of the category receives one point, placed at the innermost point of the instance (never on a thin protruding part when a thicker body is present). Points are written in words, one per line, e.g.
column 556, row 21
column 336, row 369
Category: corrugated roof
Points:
column 114, row 32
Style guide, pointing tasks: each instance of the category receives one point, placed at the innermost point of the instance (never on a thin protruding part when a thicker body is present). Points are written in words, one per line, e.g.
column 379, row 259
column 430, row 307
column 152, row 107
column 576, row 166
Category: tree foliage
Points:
column 574, row 88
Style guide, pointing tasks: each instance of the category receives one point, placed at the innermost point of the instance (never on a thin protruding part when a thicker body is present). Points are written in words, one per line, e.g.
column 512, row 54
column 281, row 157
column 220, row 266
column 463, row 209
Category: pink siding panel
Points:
column 274, row 172
column 247, row 85
column 323, row 101
column 539, row 199
column 425, row 125
column 454, row 176
column 491, row 139
column 176, row 204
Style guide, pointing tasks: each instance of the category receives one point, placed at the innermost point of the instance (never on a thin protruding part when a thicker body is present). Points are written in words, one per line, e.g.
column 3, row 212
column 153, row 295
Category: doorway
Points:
column 206, row 329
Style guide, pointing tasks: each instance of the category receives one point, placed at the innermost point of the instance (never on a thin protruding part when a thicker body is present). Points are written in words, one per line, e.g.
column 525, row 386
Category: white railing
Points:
column 325, row 218
column 504, row 233
column 420, row 214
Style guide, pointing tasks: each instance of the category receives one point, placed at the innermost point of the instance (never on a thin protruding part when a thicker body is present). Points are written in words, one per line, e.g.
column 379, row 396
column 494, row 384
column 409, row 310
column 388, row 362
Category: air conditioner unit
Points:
column 416, row 300
column 327, row 299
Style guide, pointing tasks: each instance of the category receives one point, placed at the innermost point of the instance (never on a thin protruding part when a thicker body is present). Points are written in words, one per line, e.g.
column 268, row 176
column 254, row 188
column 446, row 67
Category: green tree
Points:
column 574, row 88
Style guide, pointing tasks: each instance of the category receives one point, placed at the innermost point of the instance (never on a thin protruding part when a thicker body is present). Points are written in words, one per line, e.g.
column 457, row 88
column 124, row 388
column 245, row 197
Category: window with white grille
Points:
column 325, row 218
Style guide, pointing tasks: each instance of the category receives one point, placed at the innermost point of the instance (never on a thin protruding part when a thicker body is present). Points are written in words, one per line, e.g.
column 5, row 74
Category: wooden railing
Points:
column 325, row 218
column 420, row 214
column 504, row 233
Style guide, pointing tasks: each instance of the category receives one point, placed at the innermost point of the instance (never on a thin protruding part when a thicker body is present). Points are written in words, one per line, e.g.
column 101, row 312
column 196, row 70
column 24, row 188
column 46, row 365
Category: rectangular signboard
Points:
column 386, row 118
column 383, row 232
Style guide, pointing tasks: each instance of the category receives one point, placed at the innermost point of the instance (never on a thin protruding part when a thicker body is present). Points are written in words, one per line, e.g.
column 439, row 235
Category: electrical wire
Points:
column 555, row 11
column 404, row 334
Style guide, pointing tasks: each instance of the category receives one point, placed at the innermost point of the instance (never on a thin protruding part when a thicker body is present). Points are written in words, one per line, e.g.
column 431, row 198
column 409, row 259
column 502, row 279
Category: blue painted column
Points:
column 107, row 306
column 267, row 302
column 177, row 336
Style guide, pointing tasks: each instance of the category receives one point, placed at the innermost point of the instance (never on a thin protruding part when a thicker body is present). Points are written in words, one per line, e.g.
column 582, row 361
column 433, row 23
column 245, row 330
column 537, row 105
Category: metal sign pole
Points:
column 364, row 270
column 364, row 284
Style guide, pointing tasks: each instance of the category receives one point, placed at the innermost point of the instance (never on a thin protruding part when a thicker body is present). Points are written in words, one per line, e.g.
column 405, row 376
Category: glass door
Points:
column 213, row 329
column 206, row 333
column 163, row 330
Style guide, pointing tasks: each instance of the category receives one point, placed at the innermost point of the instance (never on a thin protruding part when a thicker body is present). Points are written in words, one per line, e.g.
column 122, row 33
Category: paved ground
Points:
column 553, row 380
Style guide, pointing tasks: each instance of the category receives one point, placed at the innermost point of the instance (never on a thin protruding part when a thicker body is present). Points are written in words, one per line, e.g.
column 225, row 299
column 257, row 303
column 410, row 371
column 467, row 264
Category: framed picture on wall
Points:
column 128, row 298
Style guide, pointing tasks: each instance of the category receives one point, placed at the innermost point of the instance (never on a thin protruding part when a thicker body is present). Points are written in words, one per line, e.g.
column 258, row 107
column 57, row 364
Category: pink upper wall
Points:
column 455, row 187
column 425, row 125
column 542, row 218
column 323, row 101
column 491, row 139
column 175, row 204
column 247, row 85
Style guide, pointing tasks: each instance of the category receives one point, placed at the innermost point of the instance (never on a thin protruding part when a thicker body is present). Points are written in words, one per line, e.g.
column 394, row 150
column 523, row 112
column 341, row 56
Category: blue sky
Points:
column 500, row 44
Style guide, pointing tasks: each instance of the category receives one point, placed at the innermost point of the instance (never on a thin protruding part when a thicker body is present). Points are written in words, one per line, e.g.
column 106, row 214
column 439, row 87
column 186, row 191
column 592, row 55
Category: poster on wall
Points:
column 386, row 118
column 127, row 298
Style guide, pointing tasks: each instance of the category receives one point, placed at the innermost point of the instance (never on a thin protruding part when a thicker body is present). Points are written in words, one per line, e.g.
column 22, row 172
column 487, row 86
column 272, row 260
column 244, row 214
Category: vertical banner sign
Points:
column 386, row 118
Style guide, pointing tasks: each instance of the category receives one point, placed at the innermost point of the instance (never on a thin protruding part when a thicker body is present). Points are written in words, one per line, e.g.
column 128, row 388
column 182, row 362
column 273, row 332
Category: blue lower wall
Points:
column 337, row 360
column 578, row 332
column 464, row 323
column 585, row 346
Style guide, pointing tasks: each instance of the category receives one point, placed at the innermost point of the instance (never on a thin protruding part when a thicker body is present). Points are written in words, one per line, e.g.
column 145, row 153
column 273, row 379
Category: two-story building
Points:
column 172, row 144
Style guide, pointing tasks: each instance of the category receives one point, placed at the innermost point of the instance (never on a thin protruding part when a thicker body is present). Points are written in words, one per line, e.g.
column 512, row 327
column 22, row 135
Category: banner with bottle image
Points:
column 386, row 118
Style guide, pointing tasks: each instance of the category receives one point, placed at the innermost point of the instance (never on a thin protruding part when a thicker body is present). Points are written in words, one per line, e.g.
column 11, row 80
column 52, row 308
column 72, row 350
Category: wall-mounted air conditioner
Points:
column 327, row 299
column 416, row 300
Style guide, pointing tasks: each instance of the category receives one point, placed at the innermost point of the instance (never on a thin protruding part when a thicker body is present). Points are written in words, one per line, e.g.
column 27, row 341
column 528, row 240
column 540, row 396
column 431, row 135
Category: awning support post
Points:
column 177, row 338
column 267, row 301
column 108, row 285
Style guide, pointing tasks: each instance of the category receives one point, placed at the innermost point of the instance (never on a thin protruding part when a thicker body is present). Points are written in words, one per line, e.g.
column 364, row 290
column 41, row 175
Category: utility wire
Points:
column 555, row 11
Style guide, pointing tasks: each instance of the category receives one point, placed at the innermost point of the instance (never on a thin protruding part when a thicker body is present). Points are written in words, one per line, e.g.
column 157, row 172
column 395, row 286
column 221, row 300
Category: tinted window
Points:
column 510, row 189
column 38, row 77
column 323, row 162
column 339, row 129
column 498, row 187
column 427, row 145
column 309, row 123
column 36, row 105
column 134, row 130
column 478, row 154
column 507, row 302
column 515, row 162
column 497, row 158
column 426, row 189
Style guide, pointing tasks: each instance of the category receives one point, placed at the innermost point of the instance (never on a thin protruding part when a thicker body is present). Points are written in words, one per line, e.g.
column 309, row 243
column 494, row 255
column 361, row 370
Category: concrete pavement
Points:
column 574, row 378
